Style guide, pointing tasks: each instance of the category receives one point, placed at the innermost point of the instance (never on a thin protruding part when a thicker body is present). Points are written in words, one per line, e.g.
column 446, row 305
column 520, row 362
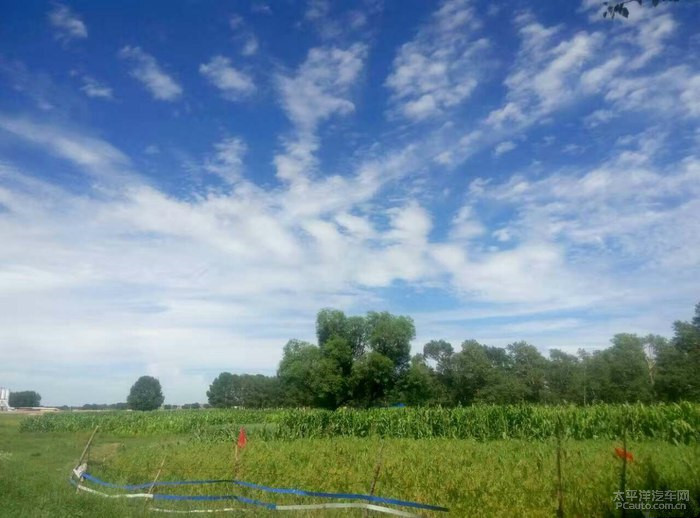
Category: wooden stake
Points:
column 560, row 489
column 150, row 489
column 82, row 456
column 87, row 446
column 623, row 476
column 377, row 469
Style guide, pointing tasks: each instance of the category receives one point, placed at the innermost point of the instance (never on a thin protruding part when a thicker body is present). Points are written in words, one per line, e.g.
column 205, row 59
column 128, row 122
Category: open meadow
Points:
column 476, row 461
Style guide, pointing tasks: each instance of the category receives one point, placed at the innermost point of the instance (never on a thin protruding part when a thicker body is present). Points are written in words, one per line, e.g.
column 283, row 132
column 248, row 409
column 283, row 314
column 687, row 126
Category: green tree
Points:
column 529, row 367
column 356, row 329
column 471, row 372
column 243, row 390
column 24, row 398
column 145, row 394
column 330, row 323
column 390, row 336
column 564, row 378
column 296, row 372
column 678, row 363
column 418, row 385
column 372, row 379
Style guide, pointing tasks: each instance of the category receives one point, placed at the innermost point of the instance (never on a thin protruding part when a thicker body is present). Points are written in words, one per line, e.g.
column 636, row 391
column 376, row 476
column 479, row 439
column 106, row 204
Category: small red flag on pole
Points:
column 242, row 438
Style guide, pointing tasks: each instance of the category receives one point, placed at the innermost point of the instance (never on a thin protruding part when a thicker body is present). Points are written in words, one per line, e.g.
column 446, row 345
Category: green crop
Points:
column 677, row 423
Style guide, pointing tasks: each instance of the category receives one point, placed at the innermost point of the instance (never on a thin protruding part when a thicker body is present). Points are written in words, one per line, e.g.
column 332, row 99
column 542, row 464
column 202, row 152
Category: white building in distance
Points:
column 4, row 400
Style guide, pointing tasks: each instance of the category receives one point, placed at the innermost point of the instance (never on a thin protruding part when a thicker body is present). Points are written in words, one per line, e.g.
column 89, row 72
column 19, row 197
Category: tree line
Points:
column 365, row 361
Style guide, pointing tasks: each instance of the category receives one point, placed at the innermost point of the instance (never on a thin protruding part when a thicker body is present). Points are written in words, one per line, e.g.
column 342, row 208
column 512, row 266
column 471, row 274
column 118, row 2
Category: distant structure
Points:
column 4, row 400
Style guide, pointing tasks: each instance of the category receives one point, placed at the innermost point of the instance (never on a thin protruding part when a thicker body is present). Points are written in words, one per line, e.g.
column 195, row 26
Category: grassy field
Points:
column 500, row 477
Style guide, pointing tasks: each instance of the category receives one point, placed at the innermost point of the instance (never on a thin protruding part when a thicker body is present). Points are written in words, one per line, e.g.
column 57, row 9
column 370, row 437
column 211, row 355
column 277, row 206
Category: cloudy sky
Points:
column 183, row 185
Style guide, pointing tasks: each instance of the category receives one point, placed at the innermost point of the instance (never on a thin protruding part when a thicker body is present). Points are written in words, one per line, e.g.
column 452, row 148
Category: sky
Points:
column 183, row 185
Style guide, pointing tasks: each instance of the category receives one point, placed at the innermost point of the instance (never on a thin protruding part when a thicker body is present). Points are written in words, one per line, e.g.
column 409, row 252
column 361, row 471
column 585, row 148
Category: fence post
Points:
column 623, row 472
column 377, row 469
column 560, row 487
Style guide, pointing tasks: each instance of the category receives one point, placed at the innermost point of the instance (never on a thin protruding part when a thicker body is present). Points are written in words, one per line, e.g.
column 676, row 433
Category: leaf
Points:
column 625, row 12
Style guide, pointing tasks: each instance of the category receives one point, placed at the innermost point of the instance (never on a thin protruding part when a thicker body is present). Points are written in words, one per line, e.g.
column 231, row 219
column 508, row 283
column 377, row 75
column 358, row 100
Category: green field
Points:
column 473, row 476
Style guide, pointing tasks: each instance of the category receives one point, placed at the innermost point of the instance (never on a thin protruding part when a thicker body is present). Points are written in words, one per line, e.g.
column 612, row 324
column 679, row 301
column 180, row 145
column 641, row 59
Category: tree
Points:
column 372, row 378
column 245, row 390
column 564, row 378
column 678, row 363
column 528, row 366
column 145, row 394
column 620, row 373
column 24, row 398
column 615, row 8
column 296, row 372
column 440, row 351
column 417, row 385
column 330, row 323
column 391, row 336
column 471, row 372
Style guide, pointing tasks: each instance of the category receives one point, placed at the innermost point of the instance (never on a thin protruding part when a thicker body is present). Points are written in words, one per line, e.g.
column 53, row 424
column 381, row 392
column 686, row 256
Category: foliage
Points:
column 678, row 423
column 194, row 422
column 25, row 398
column 145, row 394
column 620, row 8
column 335, row 373
column 473, row 478
column 247, row 390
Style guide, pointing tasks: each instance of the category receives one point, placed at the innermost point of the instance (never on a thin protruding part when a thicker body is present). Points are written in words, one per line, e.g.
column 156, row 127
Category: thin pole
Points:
column 623, row 475
column 87, row 446
column 377, row 469
column 82, row 456
column 560, row 489
column 150, row 489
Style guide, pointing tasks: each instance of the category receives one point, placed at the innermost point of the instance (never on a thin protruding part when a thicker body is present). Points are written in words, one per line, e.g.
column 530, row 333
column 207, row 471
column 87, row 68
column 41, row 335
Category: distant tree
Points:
column 296, row 373
column 418, row 385
column 356, row 335
column 330, row 323
column 471, row 372
column 439, row 351
column 564, row 377
column 373, row 376
column 25, row 398
column 528, row 367
column 390, row 336
column 614, row 8
column 678, row 363
column 244, row 390
column 145, row 394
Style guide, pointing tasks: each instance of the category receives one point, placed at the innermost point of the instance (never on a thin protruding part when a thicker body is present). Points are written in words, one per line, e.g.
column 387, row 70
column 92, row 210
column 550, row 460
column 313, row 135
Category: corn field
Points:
column 675, row 423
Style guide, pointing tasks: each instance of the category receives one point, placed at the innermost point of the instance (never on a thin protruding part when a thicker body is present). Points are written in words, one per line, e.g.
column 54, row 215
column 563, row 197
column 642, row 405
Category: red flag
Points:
column 622, row 453
column 242, row 438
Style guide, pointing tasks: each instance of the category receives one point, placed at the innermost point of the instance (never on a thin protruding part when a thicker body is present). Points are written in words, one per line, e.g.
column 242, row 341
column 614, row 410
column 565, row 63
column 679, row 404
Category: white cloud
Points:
column 440, row 68
column 320, row 88
column 251, row 46
column 243, row 35
column 93, row 155
column 321, row 85
column 94, row 88
column 227, row 161
column 146, row 70
column 68, row 25
column 233, row 83
column 504, row 147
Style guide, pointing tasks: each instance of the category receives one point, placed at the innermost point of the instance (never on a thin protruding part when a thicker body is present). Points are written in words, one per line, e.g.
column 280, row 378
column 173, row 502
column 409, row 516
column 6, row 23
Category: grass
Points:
column 510, row 477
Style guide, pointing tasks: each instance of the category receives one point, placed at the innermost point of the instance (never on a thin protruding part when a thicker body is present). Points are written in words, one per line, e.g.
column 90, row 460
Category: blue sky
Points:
column 183, row 185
